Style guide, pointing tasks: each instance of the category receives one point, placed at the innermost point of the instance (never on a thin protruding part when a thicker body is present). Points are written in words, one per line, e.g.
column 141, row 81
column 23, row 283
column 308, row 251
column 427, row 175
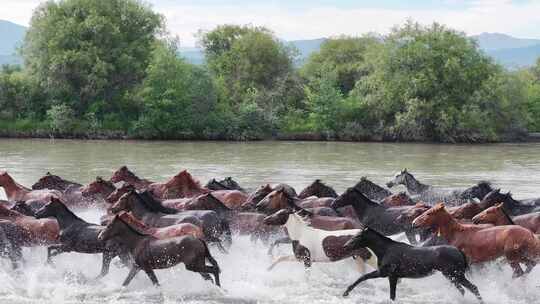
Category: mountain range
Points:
column 509, row 51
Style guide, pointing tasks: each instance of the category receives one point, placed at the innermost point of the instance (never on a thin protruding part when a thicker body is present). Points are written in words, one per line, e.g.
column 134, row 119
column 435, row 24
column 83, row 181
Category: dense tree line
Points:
column 108, row 68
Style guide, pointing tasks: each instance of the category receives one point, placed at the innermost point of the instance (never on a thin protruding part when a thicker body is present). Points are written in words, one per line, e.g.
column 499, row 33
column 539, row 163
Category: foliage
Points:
column 90, row 53
column 61, row 118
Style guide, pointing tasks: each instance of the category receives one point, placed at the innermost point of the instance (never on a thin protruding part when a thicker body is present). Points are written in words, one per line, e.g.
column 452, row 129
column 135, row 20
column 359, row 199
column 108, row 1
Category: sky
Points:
column 309, row 19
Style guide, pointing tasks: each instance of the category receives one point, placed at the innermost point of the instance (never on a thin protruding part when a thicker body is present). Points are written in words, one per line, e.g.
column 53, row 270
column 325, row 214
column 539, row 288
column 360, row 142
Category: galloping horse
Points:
column 318, row 189
column 497, row 216
column 17, row 192
column 179, row 186
column 150, row 253
column 225, row 184
column 517, row 244
column 35, row 232
column 397, row 200
column 316, row 245
column 164, row 232
column 98, row 189
column 397, row 260
column 54, row 182
column 280, row 199
column 123, row 174
column 512, row 206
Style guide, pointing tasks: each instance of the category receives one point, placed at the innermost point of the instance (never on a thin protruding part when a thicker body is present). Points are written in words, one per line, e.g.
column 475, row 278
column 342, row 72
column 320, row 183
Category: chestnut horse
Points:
column 233, row 199
column 36, row 232
column 179, row 186
column 256, row 196
column 397, row 200
column 99, row 188
column 164, row 232
column 123, row 174
column 17, row 192
column 515, row 243
column 54, row 182
column 497, row 216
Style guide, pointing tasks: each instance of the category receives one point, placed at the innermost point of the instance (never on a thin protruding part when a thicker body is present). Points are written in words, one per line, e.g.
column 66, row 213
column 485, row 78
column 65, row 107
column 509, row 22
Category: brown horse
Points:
column 279, row 199
column 18, row 192
column 233, row 199
column 397, row 200
column 36, row 232
column 54, row 182
column 99, row 188
column 318, row 189
column 497, row 216
column 123, row 174
column 256, row 196
column 179, row 186
column 516, row 244
column 164, row 232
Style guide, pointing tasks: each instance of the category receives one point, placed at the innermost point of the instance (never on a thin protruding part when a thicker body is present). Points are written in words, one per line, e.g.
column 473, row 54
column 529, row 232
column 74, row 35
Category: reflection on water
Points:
column 245, row 279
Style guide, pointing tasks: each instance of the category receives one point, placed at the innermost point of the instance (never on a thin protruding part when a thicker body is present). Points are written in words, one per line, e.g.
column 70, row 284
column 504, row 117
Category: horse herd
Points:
column 154, row 225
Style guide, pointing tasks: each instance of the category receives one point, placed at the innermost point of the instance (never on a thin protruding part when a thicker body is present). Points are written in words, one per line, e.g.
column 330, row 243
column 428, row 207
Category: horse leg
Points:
column 393, row 284
column 206, row 276
column 455, row 281
column 289, row 258
column 470, row 286
column 134, row 270
column 530, row 265
column 152, row 275
column 372, row 275
column 58, row 250
column 204, row 271
column 411, row 236
column 284, row 240
column 518, row 272
column 106, row 262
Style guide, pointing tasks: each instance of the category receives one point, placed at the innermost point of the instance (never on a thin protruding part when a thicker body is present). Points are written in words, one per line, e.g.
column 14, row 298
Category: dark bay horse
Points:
column 256, row 196
column 396, row 260
column 497, row 216
column 374, row 215
column 372, row 190
column 318, row 189
column 54, row 182
column 227, row 183
column 512, row 206
column 77, row 235
column 150, row 253
column 123, row 174
column 480, row 244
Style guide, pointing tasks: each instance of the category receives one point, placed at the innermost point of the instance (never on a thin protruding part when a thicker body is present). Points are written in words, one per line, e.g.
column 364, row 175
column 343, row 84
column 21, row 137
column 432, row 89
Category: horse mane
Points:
column 510, row 220
column 67, row 209
column 152, row 204
column 365, row 199
column 132, row 228
column 134, row 222
column 218, row 202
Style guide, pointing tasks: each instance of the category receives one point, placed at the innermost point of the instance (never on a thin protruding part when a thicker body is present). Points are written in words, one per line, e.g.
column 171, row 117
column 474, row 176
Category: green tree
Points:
column 90, row 53
column 178, row 98
column 342, row 55
column 20, row 95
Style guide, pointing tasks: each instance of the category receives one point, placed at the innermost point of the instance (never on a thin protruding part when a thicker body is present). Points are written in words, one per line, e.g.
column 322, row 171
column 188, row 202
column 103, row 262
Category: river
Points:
column 512, row 167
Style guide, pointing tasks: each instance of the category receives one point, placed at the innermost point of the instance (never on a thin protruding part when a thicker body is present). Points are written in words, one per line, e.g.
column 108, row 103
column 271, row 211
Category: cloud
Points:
column 185, row 18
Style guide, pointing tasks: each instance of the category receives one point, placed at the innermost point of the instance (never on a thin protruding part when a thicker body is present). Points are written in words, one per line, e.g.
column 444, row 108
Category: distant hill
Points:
column 510, row 51
column 11, row 35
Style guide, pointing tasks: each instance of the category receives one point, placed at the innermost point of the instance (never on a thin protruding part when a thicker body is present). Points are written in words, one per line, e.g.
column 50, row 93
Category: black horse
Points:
column 512, row 206
column 225, row 184
column 150, row 253
column 399, row 260
column 318, row 189
column 372, row 190
column 373, row 214
column 77, row 235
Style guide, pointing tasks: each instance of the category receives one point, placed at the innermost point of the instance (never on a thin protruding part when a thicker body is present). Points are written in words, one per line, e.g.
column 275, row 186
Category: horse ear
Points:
column 404, row 170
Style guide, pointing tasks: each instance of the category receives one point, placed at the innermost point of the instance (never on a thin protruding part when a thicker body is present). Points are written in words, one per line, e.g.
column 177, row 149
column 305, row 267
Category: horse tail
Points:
column 209, row 256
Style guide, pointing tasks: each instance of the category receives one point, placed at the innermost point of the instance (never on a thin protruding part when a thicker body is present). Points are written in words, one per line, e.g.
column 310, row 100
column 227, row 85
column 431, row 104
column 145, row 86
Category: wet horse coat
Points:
column 321, row 245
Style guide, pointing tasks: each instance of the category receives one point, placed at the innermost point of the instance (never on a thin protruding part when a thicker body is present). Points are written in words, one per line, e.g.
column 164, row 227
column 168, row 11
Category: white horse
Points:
column 313, row 240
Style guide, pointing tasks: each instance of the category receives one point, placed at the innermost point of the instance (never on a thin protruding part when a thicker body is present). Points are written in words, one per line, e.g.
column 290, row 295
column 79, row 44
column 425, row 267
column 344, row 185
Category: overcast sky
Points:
column 305, row 19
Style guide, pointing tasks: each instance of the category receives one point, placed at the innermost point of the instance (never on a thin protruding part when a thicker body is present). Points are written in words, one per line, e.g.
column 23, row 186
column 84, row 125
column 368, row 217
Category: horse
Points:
column 328, row 223
column 234, row 199
column 396, row 260
column 164, row 232
column 225, row 184
column 371, row 190
column 397, row 200
column 316, row 245
column 468, row 210
column 23, row 208
column 497, row 216
column 179, row 186
column 151, row 212
column 515, row 243
column 150, row 253
column 123, row 174
column 33, row 232
column 512, row 206
column 98, row 189
column 11, row 236
column 280, row 199
column 54, row 182
column 77, row 235
column 478, row 191
column 318, row 189
column 374, row 215
column 17, row 192
column 255, row 197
